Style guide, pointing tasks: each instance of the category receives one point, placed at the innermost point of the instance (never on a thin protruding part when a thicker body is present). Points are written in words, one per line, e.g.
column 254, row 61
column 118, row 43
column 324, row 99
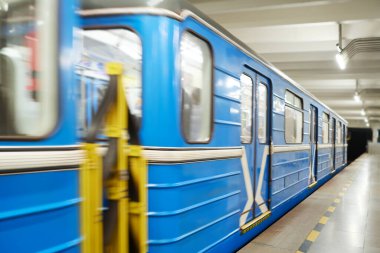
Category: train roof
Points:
column 179, row 9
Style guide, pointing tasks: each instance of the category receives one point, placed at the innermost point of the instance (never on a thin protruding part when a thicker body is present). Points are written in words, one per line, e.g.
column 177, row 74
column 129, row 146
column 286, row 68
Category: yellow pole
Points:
column 116, row 127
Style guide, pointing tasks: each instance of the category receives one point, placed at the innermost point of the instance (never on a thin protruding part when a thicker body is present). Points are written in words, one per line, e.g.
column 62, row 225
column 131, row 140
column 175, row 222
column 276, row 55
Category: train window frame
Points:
column 211, row 86
column 132, row 30
column 52, row 97
column 328, row 128
column 294, row 107
column 251, row 109
column 263, row 139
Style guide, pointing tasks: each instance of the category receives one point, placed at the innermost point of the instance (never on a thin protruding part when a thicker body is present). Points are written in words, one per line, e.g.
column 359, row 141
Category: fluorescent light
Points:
column 362, row 112
column 338, row 48
column 367, row 124
column 341, row 61
column 153, row 3
column 366, row 120
column 357, row 97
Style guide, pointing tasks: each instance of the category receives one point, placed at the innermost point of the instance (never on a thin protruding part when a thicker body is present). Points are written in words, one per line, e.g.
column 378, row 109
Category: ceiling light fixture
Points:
column 362, row 112
column 357, row 95
column 341, row 60
column 339, row 57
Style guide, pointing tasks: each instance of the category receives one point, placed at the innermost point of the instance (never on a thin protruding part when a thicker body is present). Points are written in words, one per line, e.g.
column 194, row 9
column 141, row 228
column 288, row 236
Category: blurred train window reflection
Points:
column 246, row 108
column 262, row 97
column 339, row 133
column 97, row 48
column 325, row 128
column 28, row 67
column 196, row 80
column 293, row 118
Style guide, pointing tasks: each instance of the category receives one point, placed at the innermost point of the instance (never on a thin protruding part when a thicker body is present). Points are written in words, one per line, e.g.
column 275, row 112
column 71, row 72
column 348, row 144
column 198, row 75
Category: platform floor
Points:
column 341, row 216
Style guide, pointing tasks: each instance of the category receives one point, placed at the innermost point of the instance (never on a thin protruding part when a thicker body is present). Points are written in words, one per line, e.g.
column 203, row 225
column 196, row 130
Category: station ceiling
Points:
column 300, row 37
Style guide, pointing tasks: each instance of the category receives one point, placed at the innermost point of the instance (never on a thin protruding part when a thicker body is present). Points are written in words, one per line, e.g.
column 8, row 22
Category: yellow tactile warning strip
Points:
column 313, row 235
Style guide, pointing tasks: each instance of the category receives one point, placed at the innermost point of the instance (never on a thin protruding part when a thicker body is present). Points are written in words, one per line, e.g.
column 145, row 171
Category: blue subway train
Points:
column 230, row 142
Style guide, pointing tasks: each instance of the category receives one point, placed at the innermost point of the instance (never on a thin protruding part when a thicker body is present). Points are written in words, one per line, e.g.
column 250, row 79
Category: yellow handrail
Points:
column 117, row 185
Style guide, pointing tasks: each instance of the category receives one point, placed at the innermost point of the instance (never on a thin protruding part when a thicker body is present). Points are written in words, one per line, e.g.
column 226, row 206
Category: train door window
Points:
column 196, row 81
column 339, row 132
column 333, row 131
column 344, row 134
column 325, row 128
column 313, row 123
column 28, row 68
column 97, row 48
column 293, row 118
column 246, row 108
column 262, row 96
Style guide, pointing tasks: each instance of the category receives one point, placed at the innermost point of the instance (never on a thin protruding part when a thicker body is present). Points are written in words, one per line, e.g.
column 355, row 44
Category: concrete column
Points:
column 375, row 134
column 374, row 146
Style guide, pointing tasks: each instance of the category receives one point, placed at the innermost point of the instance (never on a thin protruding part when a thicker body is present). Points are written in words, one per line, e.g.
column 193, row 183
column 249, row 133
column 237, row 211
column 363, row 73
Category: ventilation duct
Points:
column 356, row 46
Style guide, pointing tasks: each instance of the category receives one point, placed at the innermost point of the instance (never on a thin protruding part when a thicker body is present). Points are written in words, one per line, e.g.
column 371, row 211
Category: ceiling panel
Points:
column 300, row 36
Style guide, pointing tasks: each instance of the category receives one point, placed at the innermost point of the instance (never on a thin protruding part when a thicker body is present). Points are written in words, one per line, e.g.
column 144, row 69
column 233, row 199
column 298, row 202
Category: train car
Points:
column 232, row 143
column 40, row 154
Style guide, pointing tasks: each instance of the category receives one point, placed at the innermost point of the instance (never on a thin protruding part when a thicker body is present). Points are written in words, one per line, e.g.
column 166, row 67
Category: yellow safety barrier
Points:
column 137, row 207
column 130, row 233
column 91, row 192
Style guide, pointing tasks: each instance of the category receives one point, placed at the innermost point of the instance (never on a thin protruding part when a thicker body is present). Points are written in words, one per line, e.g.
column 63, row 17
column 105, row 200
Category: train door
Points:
column 344, row 145
column 247, row 84
column 313, row 144
column 333, row 142
column 262, row 146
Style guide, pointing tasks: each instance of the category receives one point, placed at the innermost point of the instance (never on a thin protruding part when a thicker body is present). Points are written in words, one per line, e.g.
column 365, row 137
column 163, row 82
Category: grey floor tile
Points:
column 336, row 238
column 373, row 228
column 317, row 248
column 372, row 241
column 259, row 248
column 270, row 238
column 371, row 250
column 345, row 226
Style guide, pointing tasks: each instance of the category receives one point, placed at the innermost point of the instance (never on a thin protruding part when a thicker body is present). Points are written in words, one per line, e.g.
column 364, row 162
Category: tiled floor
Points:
column 353, row 227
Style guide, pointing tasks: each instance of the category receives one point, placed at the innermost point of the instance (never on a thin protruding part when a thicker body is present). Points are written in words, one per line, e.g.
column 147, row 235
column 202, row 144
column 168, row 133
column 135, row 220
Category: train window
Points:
column 98, row 47
column 325, row 128
column 28, row 68
column 196, row 81
column 344, row 134
column 262, row 97
column 339, row 132
column 293, row 118
column 246, row 108
column 333, row 131
column 313, row 124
